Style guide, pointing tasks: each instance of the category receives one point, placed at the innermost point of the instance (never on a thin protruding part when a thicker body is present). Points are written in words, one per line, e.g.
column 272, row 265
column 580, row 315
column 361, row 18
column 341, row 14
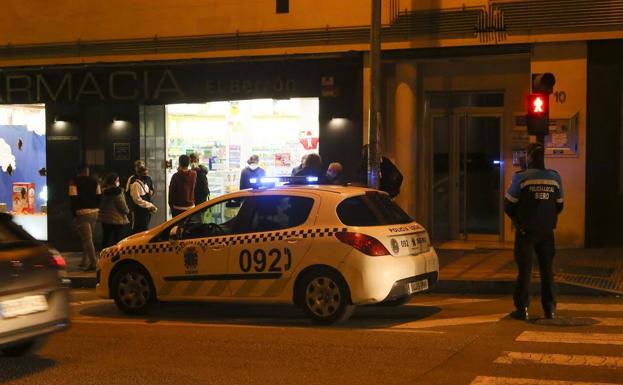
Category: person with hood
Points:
column 114, row 211
column 253, row 170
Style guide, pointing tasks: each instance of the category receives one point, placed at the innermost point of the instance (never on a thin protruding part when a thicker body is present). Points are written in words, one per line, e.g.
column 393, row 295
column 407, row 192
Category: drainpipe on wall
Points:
column 374, row 125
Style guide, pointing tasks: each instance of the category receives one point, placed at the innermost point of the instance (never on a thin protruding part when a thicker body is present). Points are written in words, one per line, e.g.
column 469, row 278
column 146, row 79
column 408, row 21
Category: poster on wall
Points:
column 121, row 151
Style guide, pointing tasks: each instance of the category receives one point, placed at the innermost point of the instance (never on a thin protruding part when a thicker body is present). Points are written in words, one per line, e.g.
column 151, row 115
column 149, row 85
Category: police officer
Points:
column 533, row 202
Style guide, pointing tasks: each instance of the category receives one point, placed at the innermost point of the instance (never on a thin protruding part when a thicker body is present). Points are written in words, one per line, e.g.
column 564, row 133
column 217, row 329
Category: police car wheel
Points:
column 325, row 297
column 133, row 290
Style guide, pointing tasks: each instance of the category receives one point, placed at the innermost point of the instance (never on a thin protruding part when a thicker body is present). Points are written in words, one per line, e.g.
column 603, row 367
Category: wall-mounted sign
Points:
column 121, row 151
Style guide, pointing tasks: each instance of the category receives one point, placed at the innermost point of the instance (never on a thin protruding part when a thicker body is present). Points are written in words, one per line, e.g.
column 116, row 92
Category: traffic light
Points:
column 537, row 119
column 537, row 103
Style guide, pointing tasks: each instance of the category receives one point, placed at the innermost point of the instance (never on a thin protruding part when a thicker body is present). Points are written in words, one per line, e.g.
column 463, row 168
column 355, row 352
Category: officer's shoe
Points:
column 550, row 313
column 520, row 314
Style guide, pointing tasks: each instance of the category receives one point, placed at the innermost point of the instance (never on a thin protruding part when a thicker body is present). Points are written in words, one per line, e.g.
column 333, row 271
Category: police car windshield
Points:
column 372, row 209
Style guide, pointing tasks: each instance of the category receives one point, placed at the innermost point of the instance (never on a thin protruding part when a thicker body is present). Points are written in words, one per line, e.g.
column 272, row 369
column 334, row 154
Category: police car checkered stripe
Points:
column 231, row 240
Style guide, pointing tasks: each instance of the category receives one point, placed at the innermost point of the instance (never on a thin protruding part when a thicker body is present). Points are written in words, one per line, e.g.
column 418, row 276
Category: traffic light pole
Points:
column 374, row 125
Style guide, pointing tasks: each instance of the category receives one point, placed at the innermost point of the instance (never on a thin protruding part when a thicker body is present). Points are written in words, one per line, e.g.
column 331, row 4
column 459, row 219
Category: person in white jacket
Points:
column 141, row 199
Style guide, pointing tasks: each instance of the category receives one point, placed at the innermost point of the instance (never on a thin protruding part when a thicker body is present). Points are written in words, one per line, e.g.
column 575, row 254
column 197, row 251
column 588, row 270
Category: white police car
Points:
column 324, row 248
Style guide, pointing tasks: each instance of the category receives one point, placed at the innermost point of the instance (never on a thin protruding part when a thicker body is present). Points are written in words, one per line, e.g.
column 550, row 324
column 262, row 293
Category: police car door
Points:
column 197, row 266
column 276, row 239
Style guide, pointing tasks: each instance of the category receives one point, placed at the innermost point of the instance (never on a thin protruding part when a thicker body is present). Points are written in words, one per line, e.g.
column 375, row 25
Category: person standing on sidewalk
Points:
column 138, row 164
column 113, row 211
column 533, row 202
column 252, row 171
column 182, row 187
column 85, row 195
column 140, row 194
column 202, row 190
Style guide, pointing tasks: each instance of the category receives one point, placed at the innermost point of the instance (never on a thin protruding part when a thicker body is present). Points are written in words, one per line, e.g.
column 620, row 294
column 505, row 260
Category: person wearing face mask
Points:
column 335, row 174
column 253, row 170
column 113, row 212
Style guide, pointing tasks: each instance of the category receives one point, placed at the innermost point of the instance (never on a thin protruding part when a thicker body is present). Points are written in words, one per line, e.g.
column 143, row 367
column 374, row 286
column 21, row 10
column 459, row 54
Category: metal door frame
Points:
column 453, row 116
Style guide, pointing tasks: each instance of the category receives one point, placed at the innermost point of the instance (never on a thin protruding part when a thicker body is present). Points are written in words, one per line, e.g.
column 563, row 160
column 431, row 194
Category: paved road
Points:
column 434, row 340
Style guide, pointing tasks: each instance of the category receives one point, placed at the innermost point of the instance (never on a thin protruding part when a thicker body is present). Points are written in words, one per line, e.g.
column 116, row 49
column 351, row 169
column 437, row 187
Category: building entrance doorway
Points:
column 467, row 172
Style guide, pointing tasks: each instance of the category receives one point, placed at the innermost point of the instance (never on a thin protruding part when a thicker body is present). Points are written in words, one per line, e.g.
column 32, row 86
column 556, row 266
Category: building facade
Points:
column 284, row 78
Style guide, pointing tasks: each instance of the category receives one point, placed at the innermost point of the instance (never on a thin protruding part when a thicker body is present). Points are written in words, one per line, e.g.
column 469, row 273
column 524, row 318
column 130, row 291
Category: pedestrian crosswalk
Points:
column 539, row 348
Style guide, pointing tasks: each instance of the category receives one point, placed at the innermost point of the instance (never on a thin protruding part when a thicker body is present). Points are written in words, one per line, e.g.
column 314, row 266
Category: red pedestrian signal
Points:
column 537, row 119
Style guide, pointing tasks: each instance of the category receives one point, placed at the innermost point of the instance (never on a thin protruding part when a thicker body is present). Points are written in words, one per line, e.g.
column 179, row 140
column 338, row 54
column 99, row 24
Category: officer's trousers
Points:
column 525, row 247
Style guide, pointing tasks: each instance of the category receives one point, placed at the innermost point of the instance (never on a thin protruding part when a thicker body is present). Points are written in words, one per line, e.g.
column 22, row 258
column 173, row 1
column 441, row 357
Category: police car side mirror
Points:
column 174, row 234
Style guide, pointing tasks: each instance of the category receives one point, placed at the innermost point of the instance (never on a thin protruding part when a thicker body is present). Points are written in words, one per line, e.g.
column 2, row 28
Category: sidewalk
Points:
column 493, row 271
column 488, row 271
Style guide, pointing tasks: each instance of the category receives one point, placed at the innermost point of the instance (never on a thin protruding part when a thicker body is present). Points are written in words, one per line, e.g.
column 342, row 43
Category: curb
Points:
column 508, row 288
column 80, row 282
column 442, row 287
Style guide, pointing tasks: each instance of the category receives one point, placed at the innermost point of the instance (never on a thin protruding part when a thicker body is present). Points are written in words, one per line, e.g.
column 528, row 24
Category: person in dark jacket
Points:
column 85, row 195
column 533, row 202
column 202, row 190
column 312, row 167
column 113, row 212
column 335, row 174
column 298, row 168
column 147, row 181
column 390, row 177
column 140, row 196
column 182, row 187
column 253, row 170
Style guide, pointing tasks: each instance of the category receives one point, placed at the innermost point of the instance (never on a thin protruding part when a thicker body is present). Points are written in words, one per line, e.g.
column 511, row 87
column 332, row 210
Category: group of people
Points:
column 311, row 165
column 129, row 210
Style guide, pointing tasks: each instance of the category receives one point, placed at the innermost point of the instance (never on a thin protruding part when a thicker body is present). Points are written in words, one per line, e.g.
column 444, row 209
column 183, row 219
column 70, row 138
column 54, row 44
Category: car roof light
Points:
column 272, row 181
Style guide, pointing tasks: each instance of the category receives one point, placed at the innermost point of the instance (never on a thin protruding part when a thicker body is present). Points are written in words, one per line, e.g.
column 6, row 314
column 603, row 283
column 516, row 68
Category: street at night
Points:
column 435, row 339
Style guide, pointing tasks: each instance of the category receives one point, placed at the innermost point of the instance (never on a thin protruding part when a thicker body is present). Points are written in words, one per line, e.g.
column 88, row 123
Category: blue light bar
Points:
column 268, row 180
column 282, row 180
column 497, row 162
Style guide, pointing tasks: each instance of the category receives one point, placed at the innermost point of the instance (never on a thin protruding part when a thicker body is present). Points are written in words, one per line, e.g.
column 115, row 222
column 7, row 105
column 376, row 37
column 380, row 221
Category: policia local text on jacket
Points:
column 533, row 202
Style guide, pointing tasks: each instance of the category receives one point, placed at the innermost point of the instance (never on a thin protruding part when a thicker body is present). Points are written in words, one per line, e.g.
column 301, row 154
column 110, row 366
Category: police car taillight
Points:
column 364, row 243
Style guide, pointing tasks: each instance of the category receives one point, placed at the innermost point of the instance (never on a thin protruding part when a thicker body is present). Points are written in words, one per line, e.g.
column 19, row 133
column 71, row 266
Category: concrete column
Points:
column 405, row 108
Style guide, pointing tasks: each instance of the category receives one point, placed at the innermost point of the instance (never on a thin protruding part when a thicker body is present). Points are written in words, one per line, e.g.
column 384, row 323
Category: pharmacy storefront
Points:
column 109, row 115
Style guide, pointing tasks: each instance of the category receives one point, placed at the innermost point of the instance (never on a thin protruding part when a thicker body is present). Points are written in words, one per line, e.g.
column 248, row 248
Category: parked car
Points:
column 324, row 248
column 33, row 300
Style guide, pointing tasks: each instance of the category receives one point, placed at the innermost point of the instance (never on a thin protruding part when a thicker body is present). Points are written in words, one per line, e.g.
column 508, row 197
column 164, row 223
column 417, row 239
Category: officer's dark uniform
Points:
column 533, row 202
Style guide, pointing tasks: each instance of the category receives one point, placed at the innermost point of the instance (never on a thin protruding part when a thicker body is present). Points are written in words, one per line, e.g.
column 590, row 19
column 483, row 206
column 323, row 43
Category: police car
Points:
column 324, row 248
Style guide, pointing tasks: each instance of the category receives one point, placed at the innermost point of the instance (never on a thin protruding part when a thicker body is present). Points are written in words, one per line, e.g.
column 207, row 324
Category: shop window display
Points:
column 225, row 134
column 23, row 190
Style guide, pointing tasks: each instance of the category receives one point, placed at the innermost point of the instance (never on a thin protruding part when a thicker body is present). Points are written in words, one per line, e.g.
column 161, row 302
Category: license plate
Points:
column 414, row 287
column 23, row 306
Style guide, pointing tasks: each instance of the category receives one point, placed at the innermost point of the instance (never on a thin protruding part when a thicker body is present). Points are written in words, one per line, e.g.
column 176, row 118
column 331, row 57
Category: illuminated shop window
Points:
column 23, row 183
column 226, row 134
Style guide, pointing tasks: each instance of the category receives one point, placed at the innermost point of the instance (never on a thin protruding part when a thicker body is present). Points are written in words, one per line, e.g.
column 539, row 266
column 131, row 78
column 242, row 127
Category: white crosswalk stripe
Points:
column 606, row 363
column 485, row 380
column 590, row 307
column 560, row 359
column 572, row 338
